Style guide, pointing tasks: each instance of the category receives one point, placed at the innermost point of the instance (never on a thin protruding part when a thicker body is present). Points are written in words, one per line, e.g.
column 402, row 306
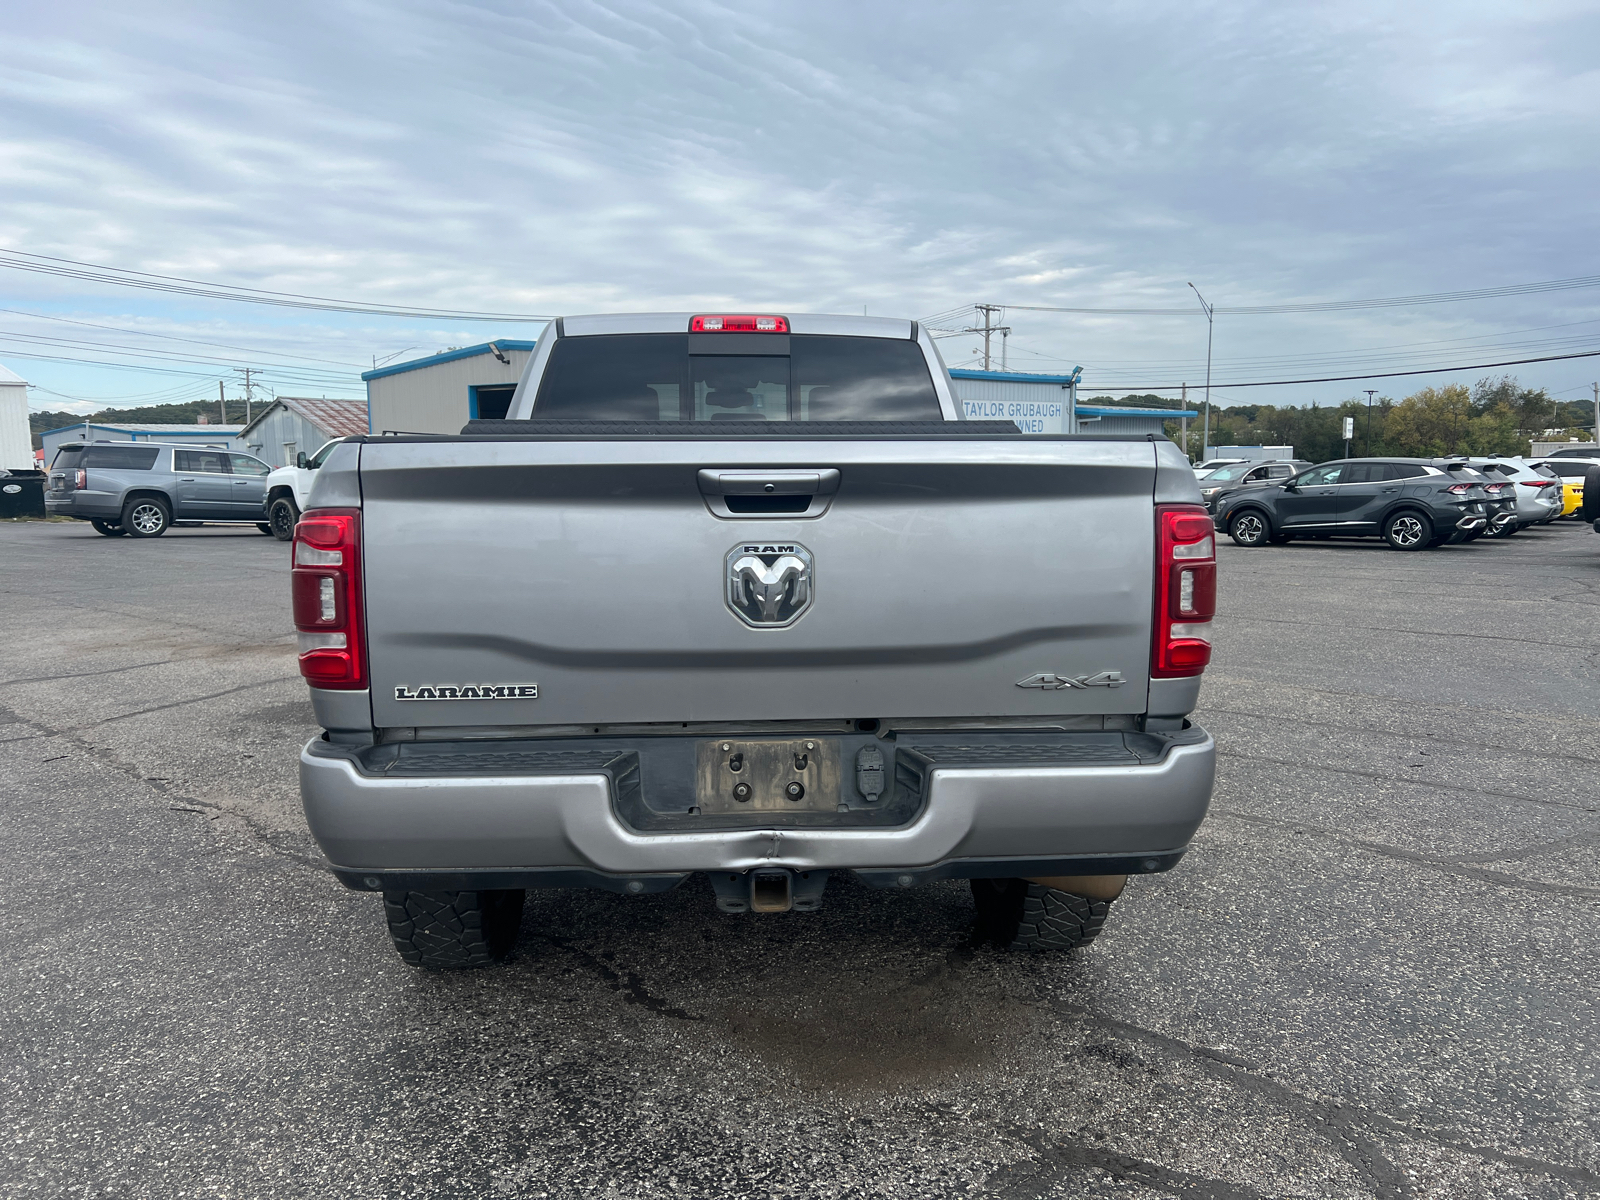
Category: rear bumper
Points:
column 565, row 830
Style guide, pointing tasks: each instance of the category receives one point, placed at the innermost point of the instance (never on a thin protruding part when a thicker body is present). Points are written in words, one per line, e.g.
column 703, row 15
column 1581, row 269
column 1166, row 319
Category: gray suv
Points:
column 1412, row 503
column 142, row 488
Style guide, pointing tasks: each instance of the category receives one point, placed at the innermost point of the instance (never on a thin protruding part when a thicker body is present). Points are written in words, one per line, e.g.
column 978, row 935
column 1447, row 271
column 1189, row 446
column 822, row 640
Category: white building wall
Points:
column 16, row 443
column 433, row 399
column 1035, row 407
column 281, row 435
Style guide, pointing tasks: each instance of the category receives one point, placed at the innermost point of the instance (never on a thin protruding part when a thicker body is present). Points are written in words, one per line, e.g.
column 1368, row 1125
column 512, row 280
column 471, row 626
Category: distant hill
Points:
column 188, row 413
column 1145, row 401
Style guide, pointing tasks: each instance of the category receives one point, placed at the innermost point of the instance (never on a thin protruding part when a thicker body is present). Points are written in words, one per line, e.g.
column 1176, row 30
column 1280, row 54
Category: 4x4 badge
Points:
column 1051, row 683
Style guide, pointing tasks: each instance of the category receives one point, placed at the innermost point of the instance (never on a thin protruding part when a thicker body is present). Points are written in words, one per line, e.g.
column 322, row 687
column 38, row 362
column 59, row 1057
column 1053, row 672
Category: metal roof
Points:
column 433, row 360
column 1170, row 414
column 155, row 428
column 336, row 418
column 1011, row 376
column 9, row 376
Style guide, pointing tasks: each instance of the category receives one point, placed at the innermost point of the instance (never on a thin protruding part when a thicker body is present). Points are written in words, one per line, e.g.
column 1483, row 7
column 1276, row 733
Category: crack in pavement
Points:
column 1338, row 1124
column 1430, row 738
column 1427, row 783
column 628, row 984
column 243, row 687
column 1448, row 866
column 269, row 839
column 1028, row 1183
column 1453, row 635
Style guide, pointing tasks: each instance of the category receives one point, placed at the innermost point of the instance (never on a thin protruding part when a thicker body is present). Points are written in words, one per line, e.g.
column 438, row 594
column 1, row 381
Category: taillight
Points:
column 1459, row 489
column 80, row 479
column 326, row 585
column 1186, row 591
column 747, row 323
column 1536, row 483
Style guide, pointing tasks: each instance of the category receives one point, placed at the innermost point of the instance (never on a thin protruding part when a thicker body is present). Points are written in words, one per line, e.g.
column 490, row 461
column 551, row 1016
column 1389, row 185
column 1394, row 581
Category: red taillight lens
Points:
column 325, row 583
column 1459, row 489
column 80, row 479
column 1536, row 483
column 737, row 323
column 1186, row 591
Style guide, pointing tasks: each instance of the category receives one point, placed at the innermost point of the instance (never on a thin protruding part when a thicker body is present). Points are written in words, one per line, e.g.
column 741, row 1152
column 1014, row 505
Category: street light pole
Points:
column 1371, row 392
column 1205, row 438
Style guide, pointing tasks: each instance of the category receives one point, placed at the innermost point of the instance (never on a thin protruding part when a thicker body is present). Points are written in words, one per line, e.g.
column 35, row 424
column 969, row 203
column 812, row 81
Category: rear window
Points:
column 1572, row 468
column 67, row 458
column 110, row 458
column 736, row 377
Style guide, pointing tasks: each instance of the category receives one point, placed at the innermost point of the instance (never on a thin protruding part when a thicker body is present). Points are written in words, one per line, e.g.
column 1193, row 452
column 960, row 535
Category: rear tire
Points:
column 146, row 517
column 281, row 518
column 109, row 528
column 1249, row 528
column 454, row 931
column 1017, row 915
column 1408, row 530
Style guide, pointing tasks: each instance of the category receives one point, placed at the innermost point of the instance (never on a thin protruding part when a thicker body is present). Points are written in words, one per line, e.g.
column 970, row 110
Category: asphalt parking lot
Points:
column 1373, row 976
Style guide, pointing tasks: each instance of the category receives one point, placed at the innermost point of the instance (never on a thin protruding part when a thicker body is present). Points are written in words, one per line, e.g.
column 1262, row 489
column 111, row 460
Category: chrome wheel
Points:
column 1248, row 530
column 146, row 518
column 1407, row 532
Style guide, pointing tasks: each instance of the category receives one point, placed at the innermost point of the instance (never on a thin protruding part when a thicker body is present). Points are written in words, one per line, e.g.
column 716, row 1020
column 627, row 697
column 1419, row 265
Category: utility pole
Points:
column 1596, row 417
column 1205, row 438
column 1371, row 392
column 1183, row 421
column 222, row 405
column 989, row 329
column 246, row 372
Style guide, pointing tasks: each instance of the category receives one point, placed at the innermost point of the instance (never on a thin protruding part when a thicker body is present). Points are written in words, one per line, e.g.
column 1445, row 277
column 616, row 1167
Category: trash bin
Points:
column 21, row 493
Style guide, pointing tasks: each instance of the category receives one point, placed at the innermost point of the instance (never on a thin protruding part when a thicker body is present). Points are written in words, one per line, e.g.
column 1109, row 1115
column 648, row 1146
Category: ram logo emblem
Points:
column 768, row 585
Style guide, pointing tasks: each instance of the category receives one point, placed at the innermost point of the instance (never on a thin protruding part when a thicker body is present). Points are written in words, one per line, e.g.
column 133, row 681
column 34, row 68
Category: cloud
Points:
column 582, row 156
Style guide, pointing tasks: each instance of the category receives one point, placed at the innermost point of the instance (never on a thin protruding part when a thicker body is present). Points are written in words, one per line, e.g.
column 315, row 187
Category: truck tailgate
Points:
column 962, row 578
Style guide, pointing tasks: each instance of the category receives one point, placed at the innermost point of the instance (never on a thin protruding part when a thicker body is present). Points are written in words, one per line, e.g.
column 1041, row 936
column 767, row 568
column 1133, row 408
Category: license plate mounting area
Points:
column 741, row 775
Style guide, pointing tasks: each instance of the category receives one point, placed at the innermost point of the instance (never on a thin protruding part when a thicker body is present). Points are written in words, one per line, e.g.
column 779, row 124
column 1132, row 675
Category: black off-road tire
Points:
column 1017, row 915
column 108, row 528
column 281, row 517
column 146, row 517
column 1249, row 528
column 1408, row 530
column 454, row 931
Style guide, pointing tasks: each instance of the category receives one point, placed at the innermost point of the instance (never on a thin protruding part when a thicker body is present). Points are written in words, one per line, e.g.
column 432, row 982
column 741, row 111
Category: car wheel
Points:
column 1408, row 531
column 1017, row 915
column 109, row 528
column 281, row 518
column 453, row 931
column 1248, row 529
column 146, row 517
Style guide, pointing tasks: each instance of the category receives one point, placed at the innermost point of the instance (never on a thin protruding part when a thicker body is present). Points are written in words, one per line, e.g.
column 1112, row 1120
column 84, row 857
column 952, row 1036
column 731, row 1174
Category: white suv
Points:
column 288, row 487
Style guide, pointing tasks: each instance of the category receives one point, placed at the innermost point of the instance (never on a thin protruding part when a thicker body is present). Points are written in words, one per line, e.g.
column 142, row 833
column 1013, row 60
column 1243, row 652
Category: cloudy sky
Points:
column 911, row 160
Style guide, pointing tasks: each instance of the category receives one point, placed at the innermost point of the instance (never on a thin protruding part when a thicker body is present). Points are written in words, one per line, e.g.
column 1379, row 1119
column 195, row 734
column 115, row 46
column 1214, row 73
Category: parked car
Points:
column 639, row 632
column 1575, row 452
column 142, row 488
column 1590, row 511
column 1412, row 503
column 1224, row 481
column 1572, row 469
column 1499, row 500
column 289, row 489
column 1537, row 488
column 1201, row 470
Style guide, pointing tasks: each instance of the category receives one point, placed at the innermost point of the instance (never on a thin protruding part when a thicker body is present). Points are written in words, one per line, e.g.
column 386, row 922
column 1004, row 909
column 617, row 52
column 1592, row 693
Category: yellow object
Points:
column 1571, row 498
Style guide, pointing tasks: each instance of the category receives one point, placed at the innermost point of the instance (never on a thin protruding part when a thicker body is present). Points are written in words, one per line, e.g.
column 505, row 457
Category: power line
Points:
column 1516, row 289
column 44, row 264
column 175, row 338
column 1515, row 362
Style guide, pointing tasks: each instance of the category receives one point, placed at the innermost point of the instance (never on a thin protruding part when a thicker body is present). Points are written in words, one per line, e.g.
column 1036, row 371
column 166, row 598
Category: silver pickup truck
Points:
column 744, row 597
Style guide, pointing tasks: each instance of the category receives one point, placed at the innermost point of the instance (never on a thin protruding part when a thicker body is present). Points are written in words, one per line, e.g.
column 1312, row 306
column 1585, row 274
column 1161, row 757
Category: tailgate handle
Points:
column 796, row 494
